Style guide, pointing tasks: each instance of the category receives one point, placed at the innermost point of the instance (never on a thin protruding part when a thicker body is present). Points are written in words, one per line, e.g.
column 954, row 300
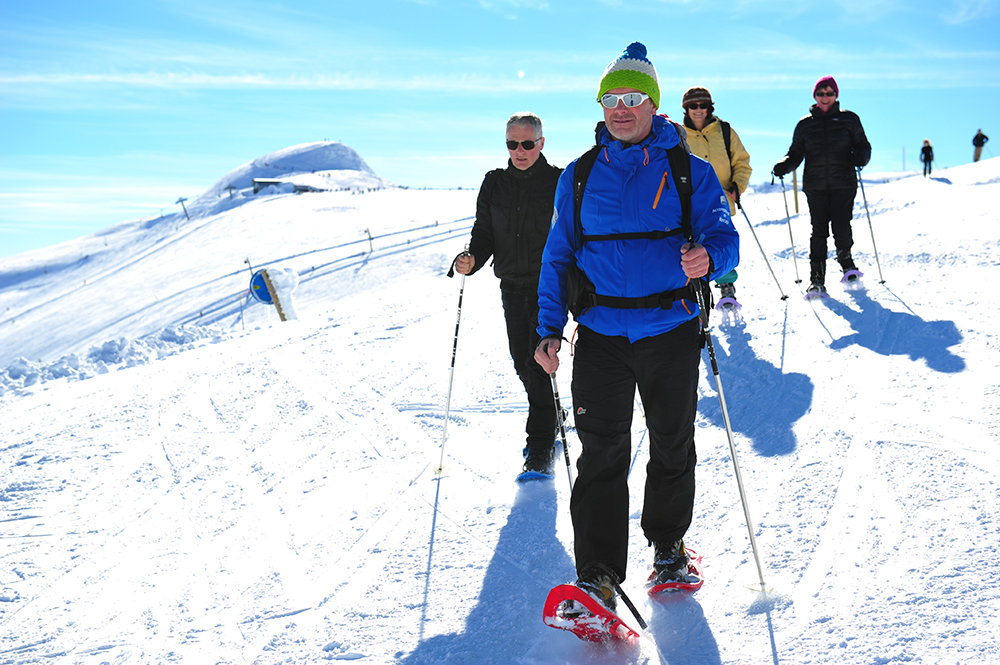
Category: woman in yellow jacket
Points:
column 706, row 138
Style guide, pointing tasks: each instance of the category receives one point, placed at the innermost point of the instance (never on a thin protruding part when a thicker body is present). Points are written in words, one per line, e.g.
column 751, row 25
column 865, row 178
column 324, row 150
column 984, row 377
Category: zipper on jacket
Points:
column 663, row 183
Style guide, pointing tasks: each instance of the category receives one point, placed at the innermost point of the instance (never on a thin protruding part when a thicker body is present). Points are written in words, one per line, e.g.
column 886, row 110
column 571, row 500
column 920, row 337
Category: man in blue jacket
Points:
column 622, row 344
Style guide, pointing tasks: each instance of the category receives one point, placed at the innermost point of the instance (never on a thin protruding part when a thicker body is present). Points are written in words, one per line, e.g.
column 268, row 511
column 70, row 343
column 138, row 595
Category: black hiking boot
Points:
column 817, row 272
column 846, row 261
column 727, row 290
column 599, row 583
column 670, row 563
column 539, row 460
column 816, row 289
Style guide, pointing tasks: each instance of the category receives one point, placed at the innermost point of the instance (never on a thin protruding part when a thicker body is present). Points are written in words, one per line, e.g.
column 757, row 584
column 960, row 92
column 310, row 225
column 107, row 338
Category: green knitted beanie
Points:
column 631, row 70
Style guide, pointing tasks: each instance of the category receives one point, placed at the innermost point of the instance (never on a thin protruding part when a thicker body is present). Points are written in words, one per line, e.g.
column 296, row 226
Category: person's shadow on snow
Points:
column 681, row 632
column 898, row 333
column 745, row 378
column 507, row 620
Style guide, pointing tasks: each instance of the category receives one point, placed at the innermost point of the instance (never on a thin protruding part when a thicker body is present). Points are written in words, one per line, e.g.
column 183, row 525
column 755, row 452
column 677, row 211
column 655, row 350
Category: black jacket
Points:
column 513, row 216
column 832, row 144
column 980, row 139
column 927, row 154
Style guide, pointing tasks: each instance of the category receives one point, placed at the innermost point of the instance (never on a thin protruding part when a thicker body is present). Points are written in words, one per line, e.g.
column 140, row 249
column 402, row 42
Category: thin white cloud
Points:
column 504, row 5
column 942, row 70
column 966, row 11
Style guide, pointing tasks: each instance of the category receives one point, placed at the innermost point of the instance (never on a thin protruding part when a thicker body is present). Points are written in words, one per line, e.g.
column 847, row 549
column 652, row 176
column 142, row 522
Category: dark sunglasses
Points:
column 699, row 105
column 527, row 145
column 826, row 93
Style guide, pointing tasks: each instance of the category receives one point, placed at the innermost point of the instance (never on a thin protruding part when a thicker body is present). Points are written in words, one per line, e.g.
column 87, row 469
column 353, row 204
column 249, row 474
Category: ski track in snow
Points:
column 264, row 492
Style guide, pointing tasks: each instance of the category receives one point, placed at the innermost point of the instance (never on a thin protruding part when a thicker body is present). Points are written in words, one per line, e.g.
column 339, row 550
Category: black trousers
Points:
column 606, row 372
column 830, row 208
column 927, row 168
column 521, row 314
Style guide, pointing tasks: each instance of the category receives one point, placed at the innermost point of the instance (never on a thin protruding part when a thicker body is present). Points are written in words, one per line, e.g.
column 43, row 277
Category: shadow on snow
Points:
column 745, row 377
column 507, row 620
column 892, row 333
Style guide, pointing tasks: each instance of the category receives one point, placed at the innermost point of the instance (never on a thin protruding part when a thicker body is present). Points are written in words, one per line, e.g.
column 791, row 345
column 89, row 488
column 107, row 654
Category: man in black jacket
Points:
column 978, row 141
column 513, row 215
column 833, row 143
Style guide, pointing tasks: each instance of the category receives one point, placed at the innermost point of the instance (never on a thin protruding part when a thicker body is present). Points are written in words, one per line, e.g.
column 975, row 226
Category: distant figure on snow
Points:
column 513, row 214
column 834, row 144
column 713, row 140
column 979, row 140
column 927, row 156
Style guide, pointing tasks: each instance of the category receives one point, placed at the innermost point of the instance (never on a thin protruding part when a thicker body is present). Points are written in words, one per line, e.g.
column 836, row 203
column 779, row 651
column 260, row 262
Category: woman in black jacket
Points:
column 927, row 156
column 833, row 144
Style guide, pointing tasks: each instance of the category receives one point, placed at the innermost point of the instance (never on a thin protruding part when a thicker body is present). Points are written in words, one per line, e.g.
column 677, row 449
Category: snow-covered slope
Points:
column 141, row 278
column 250, row 491
column 322, row 164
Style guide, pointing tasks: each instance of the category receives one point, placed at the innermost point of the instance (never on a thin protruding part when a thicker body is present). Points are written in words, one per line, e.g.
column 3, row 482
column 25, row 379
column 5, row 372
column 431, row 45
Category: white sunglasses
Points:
column 609, row 100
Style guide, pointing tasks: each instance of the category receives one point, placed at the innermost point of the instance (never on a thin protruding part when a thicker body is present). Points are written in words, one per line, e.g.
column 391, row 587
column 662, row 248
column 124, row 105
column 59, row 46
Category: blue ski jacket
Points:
column 629, row 190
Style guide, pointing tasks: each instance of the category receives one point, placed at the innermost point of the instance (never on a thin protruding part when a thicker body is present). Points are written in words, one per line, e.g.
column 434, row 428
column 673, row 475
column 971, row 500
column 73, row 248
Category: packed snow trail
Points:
column 265, row 494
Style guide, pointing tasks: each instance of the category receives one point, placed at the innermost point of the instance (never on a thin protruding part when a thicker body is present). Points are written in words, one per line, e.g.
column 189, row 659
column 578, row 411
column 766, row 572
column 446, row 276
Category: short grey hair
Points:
column 526, row 118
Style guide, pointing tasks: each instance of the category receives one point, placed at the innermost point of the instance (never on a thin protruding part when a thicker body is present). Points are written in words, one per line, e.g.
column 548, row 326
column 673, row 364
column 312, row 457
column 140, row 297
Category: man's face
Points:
column 825, row 97
column 629, row 125
column 519, row 157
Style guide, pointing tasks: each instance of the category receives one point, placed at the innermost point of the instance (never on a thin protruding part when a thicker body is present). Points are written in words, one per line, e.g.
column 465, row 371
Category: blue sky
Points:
column 109, row 111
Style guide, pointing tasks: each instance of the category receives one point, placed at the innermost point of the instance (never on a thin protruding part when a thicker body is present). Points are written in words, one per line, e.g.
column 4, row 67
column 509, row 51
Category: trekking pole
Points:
column 703, row 319
column 631, row 607
column 788, row 218
column 870, row 228
column 562, row 429
column 451, row 375
column 763, row 253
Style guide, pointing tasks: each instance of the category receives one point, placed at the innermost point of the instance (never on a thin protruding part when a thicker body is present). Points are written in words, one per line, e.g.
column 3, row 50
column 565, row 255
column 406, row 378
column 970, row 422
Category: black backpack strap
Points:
column 634, row 235
column 680, row 169
column 581, row 172
column 727, row 132
column 664, row 300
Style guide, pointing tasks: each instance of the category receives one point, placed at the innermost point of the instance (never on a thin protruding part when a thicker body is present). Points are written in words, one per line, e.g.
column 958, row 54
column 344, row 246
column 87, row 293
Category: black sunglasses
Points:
column 826, row 93
column 699, row 105
column 527, row 145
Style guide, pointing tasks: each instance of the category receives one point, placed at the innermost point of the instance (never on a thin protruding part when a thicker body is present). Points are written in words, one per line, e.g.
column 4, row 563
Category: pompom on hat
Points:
column 825, row 81
column 632, row 69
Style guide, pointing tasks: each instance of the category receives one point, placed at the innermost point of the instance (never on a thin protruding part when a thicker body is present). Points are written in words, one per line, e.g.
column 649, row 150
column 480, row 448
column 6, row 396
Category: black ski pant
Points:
column 830, row 208
column 521, row 314
column 606, row 372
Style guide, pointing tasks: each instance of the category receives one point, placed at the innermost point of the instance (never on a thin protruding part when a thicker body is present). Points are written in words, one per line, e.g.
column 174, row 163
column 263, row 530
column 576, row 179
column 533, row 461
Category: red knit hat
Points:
column 824, row 82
